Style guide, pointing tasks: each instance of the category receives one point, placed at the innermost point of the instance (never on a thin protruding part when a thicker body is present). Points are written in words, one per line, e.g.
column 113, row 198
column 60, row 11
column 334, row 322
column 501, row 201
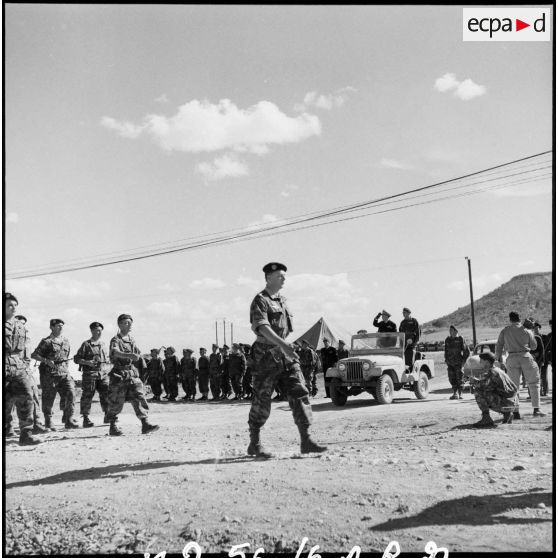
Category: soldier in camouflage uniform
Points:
column 172, row 372
column 215, row 360
column 155, row 374
column 18, row 387
column 91, row 357
column 494, row 390
column 203, row 374
column 53, row 353
column 237, row 369
column 188, row 372
column 275, row 358
column 456, row 353
column 124, row 378
column 247, row 380
column 309, row 364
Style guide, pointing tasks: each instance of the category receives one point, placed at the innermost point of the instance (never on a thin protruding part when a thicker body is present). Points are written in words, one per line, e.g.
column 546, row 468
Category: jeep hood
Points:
column 377, row 360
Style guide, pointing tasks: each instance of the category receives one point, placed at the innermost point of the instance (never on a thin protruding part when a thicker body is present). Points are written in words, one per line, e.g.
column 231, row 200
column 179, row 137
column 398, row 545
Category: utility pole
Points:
column 216, row 335
column 224, row 333
column 232, row 339
column 472, row 303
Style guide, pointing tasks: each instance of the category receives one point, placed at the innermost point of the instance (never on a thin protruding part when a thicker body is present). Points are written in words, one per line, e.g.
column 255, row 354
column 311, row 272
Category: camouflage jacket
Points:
column 90, row 350
column 15, row 345
column 496, row 381
column 124, row 345
column 56, row 349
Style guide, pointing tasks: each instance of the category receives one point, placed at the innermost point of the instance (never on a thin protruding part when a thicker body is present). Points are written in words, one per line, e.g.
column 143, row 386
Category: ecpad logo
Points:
column 506, row 24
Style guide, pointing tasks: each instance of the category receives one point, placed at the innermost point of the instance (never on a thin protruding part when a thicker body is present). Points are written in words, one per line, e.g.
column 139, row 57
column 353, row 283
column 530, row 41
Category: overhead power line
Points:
column 537, row 173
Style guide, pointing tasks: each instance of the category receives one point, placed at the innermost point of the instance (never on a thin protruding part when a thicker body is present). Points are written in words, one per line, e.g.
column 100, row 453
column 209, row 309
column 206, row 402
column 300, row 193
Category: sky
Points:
column 138, row 125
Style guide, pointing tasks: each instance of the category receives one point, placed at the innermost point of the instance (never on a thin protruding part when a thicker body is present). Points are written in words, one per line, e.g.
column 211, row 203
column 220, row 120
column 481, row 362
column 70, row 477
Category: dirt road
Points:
column 412, row 472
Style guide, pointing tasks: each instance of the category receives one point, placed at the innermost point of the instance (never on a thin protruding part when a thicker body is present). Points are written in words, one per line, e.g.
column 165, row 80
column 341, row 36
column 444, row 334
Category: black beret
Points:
column 188, row 351
column 93, row 325
column 226, row 347
column 203, row 349
column 56, row 321
column 406, row 310
column 274, row 266
column 214, row 346
column 10, row 296
column 124, row 317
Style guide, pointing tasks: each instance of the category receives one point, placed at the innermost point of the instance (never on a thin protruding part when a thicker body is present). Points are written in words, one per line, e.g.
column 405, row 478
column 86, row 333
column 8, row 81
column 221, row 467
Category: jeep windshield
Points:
column 377, row 342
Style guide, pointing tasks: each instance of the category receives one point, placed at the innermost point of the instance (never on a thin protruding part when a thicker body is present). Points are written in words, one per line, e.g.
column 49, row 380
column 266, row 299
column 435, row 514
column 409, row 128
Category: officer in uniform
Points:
column 18, row 387
column 203, row 374
column 188, row 372
column 456, row 353
column 385, row 325
column 328, row 355
column 172, row 372
column 53, row 354
column 155, row 374
column 215, row 360
column 124, row 378
column 275, row 358
column 308, row 365
column 91, row 357
column 410, row 327
column 226, row 388
column 237, row 369
column 341, row 351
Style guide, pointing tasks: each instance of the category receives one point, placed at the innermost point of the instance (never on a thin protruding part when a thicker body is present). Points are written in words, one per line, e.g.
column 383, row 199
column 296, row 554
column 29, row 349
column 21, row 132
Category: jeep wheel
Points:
column 337, row 392
column 384, row 390
column 421, row 387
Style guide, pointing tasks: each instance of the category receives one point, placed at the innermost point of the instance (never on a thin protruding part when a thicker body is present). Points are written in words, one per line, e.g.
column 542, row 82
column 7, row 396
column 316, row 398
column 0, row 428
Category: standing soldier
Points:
column 215, row 360
column 328, row 355
column 91, row 357
column 274, row 357
column 410, row 327
column 308, row 364
column 203, row 374
column 519, row 341
column 456, row 353
column 538, row 353
column 188, row 372
column 226, row 388
column 237, row 369
column 172, row 371
column 125, row 383
column 53, row 353
column 386, row 325
column 548, row 341
column 247, row 380
column 155, row 374
column 341, row 351
column 17, row 383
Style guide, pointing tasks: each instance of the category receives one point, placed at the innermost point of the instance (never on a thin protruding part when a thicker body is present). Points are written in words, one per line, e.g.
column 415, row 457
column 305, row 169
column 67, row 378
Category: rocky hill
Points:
column 529, row 295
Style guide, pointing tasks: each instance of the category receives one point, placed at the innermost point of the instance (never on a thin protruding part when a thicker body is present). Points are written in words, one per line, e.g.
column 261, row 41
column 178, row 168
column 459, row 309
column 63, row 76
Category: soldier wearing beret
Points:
column 188, row 373
column 203, row 374
column 237, row 369
column 124, row 378
column 53, row 353
column 411, row 328
column 91, row 357
column 226, row 387
column 155, row 374
column 215, row 360
column 275, row 358
column 18, row 388
column 172, row 373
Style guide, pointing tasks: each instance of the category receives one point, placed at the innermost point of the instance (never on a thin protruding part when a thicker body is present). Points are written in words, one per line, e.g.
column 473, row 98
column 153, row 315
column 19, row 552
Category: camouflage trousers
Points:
column 491, row 401
column 203, row 383
column 189, row 385
column 236, row 381
column 455, row 376
column 289, row 378
column 18, row 389
column 63, row 385
column 215, row 384
column 247, row 383
column 89, row 384
column 10, row 405
column 126, row 390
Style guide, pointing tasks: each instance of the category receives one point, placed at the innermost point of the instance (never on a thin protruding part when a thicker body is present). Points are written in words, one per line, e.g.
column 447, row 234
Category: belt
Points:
column 518, row 352
column 264, row 343
column 124, row 367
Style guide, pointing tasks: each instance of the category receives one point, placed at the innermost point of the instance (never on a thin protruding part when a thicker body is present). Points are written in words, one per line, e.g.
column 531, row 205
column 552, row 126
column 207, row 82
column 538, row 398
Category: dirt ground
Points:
column 410, row 472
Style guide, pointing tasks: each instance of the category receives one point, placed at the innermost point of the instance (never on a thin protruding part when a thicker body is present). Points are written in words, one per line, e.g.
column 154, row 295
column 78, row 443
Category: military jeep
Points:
column 376, row 364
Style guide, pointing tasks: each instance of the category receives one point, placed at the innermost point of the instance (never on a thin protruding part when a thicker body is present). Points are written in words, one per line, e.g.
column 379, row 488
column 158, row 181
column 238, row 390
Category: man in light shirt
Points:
column 519, row 341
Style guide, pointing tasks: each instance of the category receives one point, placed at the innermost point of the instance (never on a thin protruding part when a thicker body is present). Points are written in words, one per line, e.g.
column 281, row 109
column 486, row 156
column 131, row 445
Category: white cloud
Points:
column 326, row 101
column 248, row 282
column 171, row 308
column 201, row 126
column 288, row 190
column 524, row 190
column 121, row 270
column 464, row 90
column 12, row 217
column 167, row 287
column 480, row 281
column 162, row 99
column 222, row 167
column 207, row 283
column 41, row 288
column 393, row 164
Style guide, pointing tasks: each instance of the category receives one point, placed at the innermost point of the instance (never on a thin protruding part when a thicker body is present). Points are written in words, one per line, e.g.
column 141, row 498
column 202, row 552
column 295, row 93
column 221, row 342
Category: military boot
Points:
column 307, row 445
column 114, row 430
column 454, row 395
column 516, row 415
column 485, row 422
column 87, row 423
column 10, row 432
column 38, row 428
column 26, row 439
column 538, row 413
column 70, row 424
column 49, row 425
column 255, row 448
column 146, row 427
column 508, row 418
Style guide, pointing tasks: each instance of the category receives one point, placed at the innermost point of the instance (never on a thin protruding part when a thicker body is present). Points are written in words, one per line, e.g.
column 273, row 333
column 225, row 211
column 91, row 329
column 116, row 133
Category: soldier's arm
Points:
column 39, row 352
column 79, row 357
column 466, row 352
column 532, row 340
column 266, row 332
column 499, row 346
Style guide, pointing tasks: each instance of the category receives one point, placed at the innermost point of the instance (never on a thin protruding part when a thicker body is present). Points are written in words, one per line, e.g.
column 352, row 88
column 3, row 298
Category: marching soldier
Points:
column 124, row 378
column 203, row 374
column 91, row 357
column 17, row 383
column 53, row 353
column 188, row 371
column 155, row 374
column 275, row 358
column 215, row 360
column 237, row 369
column 172, row 372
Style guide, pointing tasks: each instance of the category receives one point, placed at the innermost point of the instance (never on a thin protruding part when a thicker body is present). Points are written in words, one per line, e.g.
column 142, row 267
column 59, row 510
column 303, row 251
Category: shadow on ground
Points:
column 474, row 510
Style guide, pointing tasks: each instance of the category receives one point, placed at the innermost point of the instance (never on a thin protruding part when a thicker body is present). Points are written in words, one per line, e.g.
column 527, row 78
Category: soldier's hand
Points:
column 409, row 342
column 133, row 357
column 49, row 362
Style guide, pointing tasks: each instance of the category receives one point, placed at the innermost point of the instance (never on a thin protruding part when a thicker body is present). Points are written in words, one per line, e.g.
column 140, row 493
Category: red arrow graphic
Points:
column 519, row 25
